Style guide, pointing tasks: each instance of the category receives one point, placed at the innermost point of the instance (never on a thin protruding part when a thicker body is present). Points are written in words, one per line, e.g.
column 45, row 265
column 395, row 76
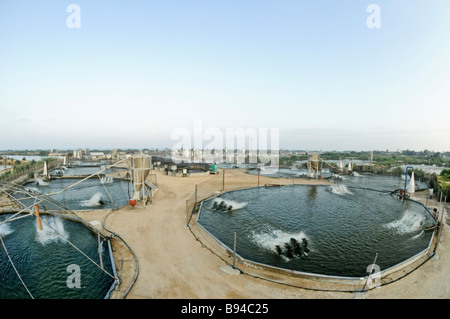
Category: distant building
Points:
column 97, row 155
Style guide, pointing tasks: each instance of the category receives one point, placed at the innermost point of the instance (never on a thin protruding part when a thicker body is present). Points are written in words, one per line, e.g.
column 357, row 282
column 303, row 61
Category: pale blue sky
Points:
column 137, row 70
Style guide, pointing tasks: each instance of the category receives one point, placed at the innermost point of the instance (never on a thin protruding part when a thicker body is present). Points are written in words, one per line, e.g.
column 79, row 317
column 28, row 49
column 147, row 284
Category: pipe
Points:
column 100, row 250
column 113, row 266
column 136, row 273
column 38, row 218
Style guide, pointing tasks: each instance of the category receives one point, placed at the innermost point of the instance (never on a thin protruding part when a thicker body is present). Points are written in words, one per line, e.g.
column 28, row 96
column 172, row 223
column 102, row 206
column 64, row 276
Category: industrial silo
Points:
column 141, row 165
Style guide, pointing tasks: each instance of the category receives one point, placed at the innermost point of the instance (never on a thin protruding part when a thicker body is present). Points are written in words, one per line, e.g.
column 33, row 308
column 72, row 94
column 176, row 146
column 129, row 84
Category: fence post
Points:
column 195, row 194
column 234, row 251
column 259, row 172
column 223, row 180
column 370, row 272
column 187, row 213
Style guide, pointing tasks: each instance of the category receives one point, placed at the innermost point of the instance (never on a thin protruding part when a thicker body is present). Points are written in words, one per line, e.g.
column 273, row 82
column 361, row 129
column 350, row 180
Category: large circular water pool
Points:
column 89, row 194
column 340, row 229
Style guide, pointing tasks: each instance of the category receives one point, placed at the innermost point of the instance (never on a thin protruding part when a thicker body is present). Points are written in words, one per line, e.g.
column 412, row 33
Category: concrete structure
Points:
column 97, row 155
column 141, row 166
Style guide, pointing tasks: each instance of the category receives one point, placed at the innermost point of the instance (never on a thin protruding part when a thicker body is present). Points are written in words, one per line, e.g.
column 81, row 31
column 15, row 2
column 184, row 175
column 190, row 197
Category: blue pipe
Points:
column 406, row 178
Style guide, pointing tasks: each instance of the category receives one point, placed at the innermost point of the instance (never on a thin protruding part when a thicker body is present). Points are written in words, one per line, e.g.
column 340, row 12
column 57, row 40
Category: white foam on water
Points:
column 339, row 189
column 52, row 230
column 95, row 200
column 409, row 222
column 228, row 202
column 5, row 230
column 418, row 235
column 33, row 189
column 106, row 180
column 40, row 182
column 276, row 237
column 338, row 177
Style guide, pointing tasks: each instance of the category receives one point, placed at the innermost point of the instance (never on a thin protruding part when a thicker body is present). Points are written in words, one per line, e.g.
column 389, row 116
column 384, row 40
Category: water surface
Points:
column 42, row 258
column 344, row 225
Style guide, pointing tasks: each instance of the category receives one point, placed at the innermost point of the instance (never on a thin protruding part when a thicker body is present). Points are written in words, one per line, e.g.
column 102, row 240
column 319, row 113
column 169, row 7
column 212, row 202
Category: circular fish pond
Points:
column 329, row 230
column 49, row 264
column 88, row 195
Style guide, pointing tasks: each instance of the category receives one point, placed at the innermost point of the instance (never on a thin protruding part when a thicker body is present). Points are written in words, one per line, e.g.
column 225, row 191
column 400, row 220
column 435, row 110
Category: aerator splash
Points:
column 293, row 248
column 222, row 206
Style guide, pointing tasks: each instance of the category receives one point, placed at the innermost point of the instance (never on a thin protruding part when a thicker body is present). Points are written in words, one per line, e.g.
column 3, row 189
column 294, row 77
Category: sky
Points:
column 133, row 72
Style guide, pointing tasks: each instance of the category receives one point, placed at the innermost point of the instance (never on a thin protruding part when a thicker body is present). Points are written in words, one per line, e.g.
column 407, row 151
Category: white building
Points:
column 97, row 155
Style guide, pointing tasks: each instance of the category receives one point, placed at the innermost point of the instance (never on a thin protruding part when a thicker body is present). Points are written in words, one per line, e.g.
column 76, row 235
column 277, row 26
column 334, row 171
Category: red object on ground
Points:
column 132, row 202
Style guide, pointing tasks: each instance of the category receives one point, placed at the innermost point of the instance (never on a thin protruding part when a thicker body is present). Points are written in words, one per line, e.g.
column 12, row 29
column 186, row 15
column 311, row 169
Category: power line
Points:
column 12, row 264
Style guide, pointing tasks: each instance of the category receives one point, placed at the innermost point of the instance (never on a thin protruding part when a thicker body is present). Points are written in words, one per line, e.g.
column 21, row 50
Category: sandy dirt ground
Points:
column 173, row 263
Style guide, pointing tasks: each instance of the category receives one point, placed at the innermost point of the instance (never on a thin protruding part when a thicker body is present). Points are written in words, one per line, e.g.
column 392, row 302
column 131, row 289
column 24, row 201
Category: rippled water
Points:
column 344, row 225
column 42, row 259
column 89, row 194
